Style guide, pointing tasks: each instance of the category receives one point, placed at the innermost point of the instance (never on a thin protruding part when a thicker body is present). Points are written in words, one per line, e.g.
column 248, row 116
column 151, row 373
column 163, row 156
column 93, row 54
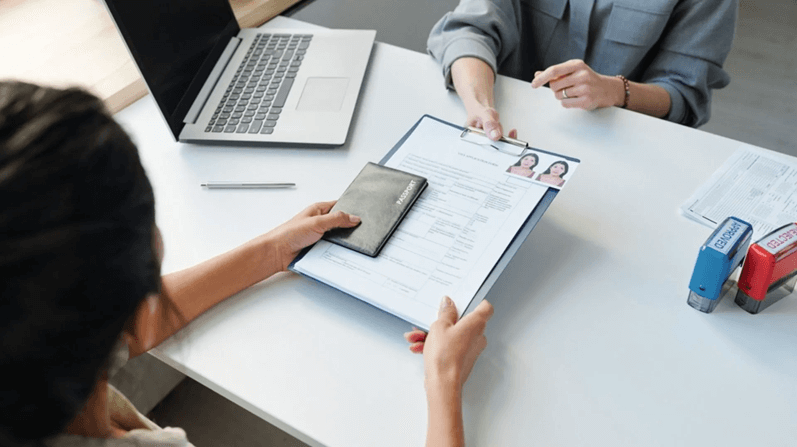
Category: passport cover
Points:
column 381, row 196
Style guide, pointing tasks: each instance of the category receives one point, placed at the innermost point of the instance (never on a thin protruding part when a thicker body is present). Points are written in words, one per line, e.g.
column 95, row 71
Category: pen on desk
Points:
column 247, row 185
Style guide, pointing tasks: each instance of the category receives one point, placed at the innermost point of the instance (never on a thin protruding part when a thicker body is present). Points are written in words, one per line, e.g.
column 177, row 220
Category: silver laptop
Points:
column 215, row 82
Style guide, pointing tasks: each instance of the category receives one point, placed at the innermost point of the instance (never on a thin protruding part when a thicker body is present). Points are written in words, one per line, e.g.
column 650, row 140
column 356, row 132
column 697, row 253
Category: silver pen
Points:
column 246, row 185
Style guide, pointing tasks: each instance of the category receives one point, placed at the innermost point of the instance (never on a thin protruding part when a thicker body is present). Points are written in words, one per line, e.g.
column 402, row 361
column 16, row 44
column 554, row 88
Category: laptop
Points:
column 217, row 83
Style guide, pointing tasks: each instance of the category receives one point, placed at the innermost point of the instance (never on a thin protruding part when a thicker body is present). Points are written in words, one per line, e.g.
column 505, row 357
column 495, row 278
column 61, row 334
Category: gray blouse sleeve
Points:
column 689, row 62
column 485, row 29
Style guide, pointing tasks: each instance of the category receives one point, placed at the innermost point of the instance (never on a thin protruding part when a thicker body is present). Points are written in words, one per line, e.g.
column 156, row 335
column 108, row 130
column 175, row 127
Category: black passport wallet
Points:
column 381, row 197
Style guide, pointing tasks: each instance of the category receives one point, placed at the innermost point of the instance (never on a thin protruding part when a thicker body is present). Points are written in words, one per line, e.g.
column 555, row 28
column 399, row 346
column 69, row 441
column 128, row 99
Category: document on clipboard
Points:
column 482, row 201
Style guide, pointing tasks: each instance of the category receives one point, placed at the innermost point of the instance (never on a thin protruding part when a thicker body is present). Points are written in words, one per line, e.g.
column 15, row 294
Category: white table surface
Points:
column 592, row 342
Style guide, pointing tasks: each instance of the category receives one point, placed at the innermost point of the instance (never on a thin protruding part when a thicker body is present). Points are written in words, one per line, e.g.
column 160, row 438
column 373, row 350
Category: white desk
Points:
column 592, row 342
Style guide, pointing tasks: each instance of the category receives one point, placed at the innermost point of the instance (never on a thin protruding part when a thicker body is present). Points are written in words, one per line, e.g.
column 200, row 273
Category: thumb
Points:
column 492, row 127
column 338, row 219
column 448, row 311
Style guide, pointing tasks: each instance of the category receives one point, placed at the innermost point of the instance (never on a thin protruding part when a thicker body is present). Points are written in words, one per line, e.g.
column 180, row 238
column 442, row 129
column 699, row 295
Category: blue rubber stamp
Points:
column 719, row 256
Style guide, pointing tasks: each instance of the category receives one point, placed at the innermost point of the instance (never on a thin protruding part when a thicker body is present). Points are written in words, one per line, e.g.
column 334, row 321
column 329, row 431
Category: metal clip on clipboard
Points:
column 521, row 145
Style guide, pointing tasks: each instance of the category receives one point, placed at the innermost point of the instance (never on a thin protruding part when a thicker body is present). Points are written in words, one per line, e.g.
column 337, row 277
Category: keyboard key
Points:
column 218, row 129
column 209, row 128
column 273, row 117
column 275, row 110
column 252, row 107
column 243, row 128
column 224, row 115
column 269, row 123
column 282, row 95
column 234, row 121
column 288, row 55
column 249, row 113
column 293, row 69
column 272, row 91
column 237, row 115
column 255, row 126
column 301, row 52
column 221, row 122
column 260, row 116
column 304, row 45
column 229, row 129
column 290, row 75
column 246, row 120
column 296, row 63
column 267, row 130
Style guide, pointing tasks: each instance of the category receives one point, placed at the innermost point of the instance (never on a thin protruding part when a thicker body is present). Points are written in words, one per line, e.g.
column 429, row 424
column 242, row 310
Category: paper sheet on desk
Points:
column 452, row 237
column 755, row 185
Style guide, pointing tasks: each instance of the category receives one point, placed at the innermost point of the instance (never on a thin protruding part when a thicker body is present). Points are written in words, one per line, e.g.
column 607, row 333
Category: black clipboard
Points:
column 510, row 250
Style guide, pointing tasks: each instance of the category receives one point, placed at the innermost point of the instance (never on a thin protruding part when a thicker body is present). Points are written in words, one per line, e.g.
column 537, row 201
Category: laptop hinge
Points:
column 213, row 79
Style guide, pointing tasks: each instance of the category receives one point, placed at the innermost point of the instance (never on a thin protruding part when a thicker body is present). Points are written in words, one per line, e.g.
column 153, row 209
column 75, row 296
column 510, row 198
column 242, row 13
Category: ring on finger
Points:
column 564, row 93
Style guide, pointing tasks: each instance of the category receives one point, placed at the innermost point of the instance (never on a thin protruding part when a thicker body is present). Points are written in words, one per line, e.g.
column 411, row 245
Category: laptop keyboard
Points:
column 254, row 99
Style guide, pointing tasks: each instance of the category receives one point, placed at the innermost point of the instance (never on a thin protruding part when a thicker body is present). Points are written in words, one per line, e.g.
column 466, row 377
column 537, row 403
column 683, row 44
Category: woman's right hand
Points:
column 473, row 80
column 451, row 347
column 487, row 119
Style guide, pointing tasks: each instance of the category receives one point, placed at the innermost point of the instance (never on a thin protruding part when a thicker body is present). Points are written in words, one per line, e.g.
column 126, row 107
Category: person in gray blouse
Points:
column 658, row 57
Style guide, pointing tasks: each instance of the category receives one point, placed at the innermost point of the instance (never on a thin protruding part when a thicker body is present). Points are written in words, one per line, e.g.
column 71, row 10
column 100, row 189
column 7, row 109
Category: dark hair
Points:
column 536, row 159
column 77, row 257
column 563, row 163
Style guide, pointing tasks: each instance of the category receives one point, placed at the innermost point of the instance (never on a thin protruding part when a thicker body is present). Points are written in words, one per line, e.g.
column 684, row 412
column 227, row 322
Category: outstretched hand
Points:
column 306, row 228
column 487, row 119
column 451, row 347
column 576, row 85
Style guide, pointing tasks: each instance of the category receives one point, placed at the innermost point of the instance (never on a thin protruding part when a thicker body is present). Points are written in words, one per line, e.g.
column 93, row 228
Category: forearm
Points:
column 445, row 427
column 193, row 291
column 649, row 99
column 474, row 81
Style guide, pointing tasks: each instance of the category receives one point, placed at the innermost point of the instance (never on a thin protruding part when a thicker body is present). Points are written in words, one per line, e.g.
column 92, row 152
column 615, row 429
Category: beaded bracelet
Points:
column 627, row 90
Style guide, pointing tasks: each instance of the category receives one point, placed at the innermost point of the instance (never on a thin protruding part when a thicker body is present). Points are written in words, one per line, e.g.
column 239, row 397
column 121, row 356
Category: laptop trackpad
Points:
column 323, row 94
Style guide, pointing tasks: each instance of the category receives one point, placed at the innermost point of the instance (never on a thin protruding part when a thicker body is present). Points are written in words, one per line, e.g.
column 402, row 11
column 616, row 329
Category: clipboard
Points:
column 516, row 242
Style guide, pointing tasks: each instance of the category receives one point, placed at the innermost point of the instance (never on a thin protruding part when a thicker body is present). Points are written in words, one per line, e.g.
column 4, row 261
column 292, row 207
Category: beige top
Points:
column 142, row 432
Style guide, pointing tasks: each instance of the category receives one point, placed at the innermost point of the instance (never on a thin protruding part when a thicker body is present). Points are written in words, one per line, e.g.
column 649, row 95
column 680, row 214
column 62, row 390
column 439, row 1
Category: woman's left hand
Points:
column 578, row 86
column 305, row 229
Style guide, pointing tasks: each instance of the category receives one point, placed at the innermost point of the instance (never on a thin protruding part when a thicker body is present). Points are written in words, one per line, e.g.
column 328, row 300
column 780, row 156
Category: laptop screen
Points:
column 175, row 44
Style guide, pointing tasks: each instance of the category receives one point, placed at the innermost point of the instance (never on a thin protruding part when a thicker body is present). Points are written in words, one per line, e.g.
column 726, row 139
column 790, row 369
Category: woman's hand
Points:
column 305, row 229
column 578, row 86
column 451, row 347
column 474, row 79
column 449, row 352
column 486, row 118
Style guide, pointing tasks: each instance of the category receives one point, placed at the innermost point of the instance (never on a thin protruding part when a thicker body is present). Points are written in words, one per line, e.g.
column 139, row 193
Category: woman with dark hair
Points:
column 81, row 285
column 525, row 166
column 553, row 175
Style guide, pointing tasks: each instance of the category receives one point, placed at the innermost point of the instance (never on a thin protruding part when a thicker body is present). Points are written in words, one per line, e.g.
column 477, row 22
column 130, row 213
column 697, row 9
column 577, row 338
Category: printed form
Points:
column 755, row 185
column 449, row 241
